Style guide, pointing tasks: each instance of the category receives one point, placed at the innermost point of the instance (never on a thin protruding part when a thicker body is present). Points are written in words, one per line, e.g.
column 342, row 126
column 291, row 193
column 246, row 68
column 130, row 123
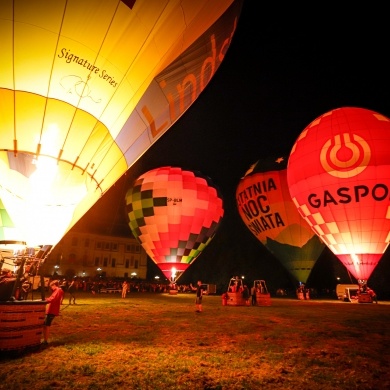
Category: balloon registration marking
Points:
column 345, row 155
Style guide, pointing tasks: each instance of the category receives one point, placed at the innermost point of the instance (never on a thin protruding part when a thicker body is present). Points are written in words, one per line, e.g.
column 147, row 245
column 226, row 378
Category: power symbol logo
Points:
column 345, row 155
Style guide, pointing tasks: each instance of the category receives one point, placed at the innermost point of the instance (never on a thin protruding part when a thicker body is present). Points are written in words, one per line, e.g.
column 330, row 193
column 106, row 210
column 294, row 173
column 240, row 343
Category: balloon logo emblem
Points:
column 345, row 155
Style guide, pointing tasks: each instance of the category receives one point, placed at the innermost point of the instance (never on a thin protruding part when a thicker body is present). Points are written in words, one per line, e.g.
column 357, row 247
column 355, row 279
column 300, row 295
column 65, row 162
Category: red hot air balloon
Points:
column 265, row 206
column 174, row 214
column 339, row 179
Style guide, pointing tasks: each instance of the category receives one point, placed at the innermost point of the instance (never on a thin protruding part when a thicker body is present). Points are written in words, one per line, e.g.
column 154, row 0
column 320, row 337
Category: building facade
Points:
column 91, row 255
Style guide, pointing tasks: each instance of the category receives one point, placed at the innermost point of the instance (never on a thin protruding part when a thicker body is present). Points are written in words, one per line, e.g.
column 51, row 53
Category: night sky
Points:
column 280, row 73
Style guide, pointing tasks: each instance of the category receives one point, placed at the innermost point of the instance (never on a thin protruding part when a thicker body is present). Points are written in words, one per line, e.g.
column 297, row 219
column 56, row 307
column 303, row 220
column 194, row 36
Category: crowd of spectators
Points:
column 115, row 285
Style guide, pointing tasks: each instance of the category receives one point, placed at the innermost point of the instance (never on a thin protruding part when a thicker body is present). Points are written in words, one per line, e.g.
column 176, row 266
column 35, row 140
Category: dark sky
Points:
column 284, row 68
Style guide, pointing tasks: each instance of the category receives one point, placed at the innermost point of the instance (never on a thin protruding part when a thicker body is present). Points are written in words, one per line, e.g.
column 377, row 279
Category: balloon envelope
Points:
column 8, row 231
column 265, row 206
column 339, row 178
column 86, row 87
column 174, row 214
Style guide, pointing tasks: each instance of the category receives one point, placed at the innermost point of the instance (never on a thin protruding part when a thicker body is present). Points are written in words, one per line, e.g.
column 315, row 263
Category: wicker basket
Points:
column 263, row 299
column 235, row 299
column 21, row 324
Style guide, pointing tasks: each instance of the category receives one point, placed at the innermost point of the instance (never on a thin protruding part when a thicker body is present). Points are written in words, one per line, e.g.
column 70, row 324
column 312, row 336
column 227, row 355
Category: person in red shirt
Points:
column 52, row 308
column 372, row 294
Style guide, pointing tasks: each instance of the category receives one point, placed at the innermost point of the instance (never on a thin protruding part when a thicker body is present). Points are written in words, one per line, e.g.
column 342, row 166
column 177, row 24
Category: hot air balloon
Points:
column 266, row 208
column 86, row 87
column 339, row 179
column 174, row 214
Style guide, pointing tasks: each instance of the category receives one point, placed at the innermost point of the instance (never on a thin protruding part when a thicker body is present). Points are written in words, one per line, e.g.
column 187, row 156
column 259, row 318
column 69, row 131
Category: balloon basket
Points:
column 364, row 298
column 172, row 292
column 235, row 299
column 21, row 324
column 301, row 296
column 263, row 299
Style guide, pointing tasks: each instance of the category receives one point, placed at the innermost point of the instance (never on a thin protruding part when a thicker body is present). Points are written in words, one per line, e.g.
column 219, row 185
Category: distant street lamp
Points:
column 133, row 274
column 157, row 277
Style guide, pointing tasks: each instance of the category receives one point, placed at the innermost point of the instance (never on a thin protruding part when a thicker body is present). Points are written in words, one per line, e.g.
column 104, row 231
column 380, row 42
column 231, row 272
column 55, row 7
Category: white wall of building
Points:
column 91, row 255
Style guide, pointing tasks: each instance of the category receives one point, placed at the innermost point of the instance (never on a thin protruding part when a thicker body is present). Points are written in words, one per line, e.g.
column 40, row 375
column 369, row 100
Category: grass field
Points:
column 157, row 341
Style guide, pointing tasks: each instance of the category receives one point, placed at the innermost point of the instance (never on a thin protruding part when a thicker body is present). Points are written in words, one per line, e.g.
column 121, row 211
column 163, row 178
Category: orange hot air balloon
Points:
column 339, row 179
column 174, row 214
column 265, row 206
column 86, row 87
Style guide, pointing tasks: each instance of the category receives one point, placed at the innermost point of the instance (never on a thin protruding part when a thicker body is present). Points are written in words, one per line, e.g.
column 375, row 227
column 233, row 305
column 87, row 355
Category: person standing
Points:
column 52, row 308
column 72, row 291
column 246, row 294
column 253, row 295
column 372, row 294
column 94, row 288
column 199, row 296
column 125, row 287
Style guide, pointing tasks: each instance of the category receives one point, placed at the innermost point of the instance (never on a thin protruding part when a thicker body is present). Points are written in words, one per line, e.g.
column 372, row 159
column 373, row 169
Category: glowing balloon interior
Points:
column 86, row 87
column 265, row 206
column 9, row 234
column 339, row 178
column 8, row 231
column 174, row 214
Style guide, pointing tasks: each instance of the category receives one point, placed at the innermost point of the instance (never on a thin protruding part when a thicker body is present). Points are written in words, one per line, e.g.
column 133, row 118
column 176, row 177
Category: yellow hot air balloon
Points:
column 86, row 87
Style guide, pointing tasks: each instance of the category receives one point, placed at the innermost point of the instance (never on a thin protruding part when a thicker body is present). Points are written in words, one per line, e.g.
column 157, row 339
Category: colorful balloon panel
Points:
column 86, row 87
column 174, row 214
column 265, row 206
column 339, row 178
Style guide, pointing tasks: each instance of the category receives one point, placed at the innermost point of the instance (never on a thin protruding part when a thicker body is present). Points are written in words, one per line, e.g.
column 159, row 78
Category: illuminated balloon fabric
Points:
column 9, row 238
column 86, row 87
column 174, row 214
column 339, row 178
column 8, row 232
column 266, row 208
